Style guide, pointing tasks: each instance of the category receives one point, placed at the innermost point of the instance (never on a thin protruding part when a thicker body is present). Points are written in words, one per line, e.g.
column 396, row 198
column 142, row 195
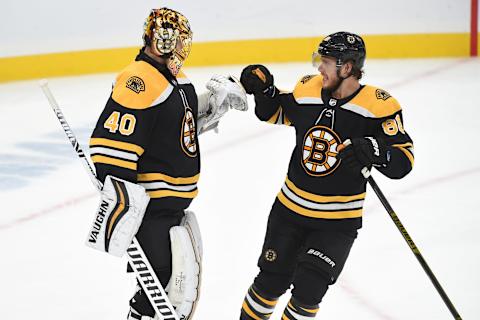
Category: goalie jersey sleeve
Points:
column 124, row 128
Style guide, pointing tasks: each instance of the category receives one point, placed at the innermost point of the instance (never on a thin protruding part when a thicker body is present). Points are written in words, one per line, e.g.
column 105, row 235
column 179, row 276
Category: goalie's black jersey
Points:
column 147, row 134
column 318, row 188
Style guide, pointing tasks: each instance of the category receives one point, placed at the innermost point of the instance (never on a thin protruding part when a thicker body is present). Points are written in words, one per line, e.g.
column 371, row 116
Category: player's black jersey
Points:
column 147, row 134
column 318, row 187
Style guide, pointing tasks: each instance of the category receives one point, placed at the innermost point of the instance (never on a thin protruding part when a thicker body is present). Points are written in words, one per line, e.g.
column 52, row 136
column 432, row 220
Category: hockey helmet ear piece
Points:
column 169, row 35
column 344, row 46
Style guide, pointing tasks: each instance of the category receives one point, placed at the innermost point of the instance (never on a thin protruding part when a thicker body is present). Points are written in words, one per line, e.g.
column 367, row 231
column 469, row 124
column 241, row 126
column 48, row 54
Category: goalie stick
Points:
column 136, row 257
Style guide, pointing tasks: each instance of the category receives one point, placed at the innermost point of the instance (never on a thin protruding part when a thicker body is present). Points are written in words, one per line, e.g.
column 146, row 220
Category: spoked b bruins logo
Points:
column 187, row 137
column 319, row 156
column 270, row 255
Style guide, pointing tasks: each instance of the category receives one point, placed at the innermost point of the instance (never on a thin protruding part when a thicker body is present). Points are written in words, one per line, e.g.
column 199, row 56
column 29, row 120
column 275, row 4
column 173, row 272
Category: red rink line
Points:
column 47, row 211
column 363, row 302
column 428, row 73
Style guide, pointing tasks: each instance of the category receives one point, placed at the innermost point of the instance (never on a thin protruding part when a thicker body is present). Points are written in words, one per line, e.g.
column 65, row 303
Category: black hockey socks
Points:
column 296, row 310
column 134, row 315
column 257, row 305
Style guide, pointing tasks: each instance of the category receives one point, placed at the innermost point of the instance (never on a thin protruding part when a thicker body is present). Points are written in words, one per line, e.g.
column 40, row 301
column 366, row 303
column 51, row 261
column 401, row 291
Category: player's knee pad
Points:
column 273, row 284
column 257, row 304
column 184, row 285
column 297, row 310
column 310, row 284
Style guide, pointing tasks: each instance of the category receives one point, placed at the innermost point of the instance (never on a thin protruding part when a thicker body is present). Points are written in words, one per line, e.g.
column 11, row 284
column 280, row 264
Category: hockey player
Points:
column 341, row 127
column 145, row 150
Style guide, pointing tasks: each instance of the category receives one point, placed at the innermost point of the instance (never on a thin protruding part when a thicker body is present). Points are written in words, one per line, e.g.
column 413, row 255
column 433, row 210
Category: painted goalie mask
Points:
column 170, row 36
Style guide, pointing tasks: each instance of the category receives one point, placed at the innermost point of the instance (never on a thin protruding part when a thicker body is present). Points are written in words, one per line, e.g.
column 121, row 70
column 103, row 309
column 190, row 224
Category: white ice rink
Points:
column 48, row 203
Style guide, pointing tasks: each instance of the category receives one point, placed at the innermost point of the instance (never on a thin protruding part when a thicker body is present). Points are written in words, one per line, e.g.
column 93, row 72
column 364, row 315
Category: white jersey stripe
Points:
column 162, row 185
column 358, row 109
column 114, row 153
column 357, row 204
column 309, row 100
column 165, row 94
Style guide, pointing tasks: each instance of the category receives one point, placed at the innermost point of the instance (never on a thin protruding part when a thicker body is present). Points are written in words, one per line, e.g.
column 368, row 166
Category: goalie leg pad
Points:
column 191, row 224
column 120, row 213
column 184, row 286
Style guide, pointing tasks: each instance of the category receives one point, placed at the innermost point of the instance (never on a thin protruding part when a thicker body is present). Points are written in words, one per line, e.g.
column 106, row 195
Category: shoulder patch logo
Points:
column 135, row 84
column 306, row 79
column 382, row 94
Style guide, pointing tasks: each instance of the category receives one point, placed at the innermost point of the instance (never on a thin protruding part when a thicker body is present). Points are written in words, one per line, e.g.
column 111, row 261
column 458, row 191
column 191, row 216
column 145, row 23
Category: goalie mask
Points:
column 169, row 35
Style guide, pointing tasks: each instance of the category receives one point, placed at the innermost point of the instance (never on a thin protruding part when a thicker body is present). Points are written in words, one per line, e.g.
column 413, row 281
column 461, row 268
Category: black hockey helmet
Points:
column 344, row 46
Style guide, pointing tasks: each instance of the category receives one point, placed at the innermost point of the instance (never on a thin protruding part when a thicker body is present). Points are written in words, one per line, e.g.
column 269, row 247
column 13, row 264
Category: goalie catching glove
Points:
column 119, row 215
column 223, row 93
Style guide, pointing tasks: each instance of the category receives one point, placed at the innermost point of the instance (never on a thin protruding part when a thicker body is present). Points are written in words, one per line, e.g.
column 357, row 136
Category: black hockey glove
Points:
column 365, row 152
column 257, row 79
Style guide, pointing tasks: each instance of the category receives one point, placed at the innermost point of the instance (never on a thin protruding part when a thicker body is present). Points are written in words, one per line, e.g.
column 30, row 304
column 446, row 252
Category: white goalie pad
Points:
column 184, row 286
column 119, row 215
column 223, row 93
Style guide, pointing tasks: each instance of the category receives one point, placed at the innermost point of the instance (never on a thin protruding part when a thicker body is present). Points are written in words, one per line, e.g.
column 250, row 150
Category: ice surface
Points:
column 48, row 202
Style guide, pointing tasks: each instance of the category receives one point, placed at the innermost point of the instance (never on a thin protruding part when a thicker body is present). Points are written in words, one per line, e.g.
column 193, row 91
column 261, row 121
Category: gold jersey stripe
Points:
column 146, row 177
column 318, row 214
column 407, row 153
column 115, row 162
column 279, row 118
column 322, row 199
column 266, row 301
column 249, row 311
column 117, row 145
column 284, row 317
column 403, row 145
column 120, row 208
column 170, row 193
column 274, row 118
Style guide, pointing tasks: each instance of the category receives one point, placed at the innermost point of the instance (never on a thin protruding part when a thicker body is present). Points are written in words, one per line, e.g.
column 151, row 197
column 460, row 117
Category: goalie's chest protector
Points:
column 318, row 185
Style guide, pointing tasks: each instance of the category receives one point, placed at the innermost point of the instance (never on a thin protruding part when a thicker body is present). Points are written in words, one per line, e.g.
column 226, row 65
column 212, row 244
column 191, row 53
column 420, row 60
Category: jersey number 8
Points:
column 392, row 126
column 126, row 125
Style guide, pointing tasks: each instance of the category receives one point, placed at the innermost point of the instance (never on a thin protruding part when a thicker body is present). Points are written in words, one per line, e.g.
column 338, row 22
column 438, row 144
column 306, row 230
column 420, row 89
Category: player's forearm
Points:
column 266, row 107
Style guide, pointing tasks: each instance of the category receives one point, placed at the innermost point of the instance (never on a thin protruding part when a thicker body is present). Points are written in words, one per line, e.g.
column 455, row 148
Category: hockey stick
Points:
column 136, row 257
column 411, row 244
